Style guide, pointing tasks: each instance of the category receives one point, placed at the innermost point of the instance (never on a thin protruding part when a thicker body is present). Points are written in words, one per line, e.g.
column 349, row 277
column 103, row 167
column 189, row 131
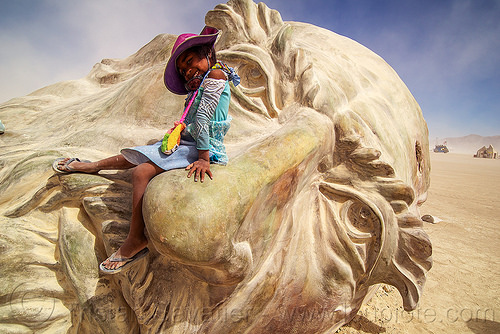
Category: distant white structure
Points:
column 486, row 152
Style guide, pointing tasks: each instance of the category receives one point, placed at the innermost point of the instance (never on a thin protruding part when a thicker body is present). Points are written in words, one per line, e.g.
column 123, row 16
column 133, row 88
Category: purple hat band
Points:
column 173, row 80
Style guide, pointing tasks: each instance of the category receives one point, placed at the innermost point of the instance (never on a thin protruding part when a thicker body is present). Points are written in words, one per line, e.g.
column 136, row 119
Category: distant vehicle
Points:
column 441, row 149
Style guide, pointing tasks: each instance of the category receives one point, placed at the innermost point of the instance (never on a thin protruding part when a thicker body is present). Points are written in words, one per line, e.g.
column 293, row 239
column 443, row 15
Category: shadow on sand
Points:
column 484, row 326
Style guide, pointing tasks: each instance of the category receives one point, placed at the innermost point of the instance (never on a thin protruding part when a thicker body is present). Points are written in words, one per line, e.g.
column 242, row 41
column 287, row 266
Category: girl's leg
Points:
column 136, row 240
column 115, row 162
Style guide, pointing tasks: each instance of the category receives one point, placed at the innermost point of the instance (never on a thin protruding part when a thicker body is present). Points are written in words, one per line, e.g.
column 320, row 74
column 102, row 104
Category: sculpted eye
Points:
column 255, row 73
column 256, row 91
column 252, row 78
column 363, row 227
column 361, row 220
column 361, row 217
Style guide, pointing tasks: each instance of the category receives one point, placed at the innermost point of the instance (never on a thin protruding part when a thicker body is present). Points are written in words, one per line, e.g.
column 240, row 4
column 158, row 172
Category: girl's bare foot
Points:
column 130, row 247
column 76, row 166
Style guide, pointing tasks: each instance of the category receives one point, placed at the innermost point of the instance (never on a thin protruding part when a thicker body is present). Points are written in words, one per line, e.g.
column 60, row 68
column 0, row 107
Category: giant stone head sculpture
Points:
column 320, row 202
column 318, row 205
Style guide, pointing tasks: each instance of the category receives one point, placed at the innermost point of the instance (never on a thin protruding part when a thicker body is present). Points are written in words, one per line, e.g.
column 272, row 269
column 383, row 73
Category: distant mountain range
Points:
column 468, row 144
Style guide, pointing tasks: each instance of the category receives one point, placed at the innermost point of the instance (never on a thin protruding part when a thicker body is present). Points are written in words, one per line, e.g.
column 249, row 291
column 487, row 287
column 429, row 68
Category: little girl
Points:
column 192, row 69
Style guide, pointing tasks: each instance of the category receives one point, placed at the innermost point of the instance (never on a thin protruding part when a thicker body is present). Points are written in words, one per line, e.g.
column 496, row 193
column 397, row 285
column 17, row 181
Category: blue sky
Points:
column 447, row 52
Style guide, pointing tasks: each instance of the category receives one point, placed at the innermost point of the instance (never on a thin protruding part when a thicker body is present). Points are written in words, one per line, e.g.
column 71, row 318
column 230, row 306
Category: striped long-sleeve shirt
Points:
column 207, row 120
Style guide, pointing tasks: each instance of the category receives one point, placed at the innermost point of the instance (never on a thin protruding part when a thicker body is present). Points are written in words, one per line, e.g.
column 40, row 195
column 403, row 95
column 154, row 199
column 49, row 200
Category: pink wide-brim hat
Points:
column 173, row 80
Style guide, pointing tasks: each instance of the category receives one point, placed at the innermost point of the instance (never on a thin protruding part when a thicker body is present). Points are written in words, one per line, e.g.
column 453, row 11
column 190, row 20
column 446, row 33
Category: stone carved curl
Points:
column 329, row 162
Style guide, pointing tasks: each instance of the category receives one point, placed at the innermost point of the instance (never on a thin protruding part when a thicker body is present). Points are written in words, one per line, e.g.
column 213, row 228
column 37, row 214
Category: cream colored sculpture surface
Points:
column 329, row 162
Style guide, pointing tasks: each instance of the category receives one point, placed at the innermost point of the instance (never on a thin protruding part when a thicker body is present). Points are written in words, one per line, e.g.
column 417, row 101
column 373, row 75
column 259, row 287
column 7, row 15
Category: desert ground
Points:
column 462, row 293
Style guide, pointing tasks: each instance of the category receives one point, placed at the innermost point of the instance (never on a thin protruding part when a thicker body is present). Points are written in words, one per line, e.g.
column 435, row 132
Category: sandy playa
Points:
column 462, row 294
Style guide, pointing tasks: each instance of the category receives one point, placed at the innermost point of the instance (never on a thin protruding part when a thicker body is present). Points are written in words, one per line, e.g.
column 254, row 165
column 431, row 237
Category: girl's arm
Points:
column 213, row 87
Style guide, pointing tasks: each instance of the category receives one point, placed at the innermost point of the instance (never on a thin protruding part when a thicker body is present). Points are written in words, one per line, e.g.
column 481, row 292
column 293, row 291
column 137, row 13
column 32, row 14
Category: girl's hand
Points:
column 199, row 168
